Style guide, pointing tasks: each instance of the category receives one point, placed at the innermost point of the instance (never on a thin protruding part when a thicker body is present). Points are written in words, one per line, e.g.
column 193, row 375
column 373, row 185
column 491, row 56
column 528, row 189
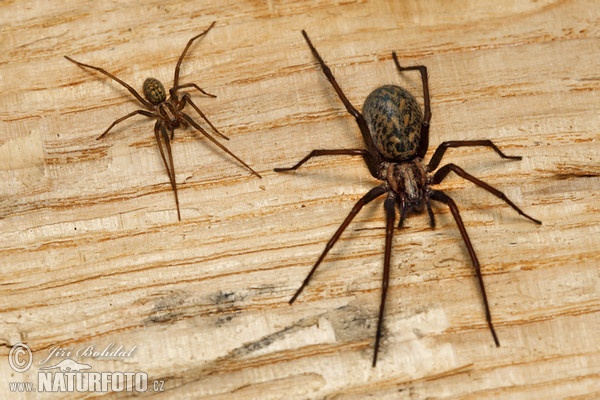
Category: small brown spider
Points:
column 396, row 135
column 168, row 113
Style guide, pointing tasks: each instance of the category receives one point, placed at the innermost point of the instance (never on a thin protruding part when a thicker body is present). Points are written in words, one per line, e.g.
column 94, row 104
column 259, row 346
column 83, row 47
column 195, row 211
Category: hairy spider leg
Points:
column 160, row 130
column 212, row 139
column 445, row 170
column 325, row 152
column 442, row 197
column 424, row 142
column 439, row 152
column 390, row 216
column 176, row 86
column 187, row 46
column 186, row 99
column 192, row 85
column 367, row 198
column 360, row 120
column 145, row 102
column 131, row 114
column 401, row 203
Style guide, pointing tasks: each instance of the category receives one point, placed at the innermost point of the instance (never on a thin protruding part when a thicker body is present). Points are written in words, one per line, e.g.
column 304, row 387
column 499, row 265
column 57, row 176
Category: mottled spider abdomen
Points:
column 394, row 119
column 154, row 91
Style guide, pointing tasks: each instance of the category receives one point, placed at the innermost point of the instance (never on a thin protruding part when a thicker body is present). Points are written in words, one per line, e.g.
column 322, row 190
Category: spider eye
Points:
column 154, row 91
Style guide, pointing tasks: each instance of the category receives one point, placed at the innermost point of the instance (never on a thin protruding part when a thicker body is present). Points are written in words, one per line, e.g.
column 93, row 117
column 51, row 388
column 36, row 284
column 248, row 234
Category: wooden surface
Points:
column 93, row 253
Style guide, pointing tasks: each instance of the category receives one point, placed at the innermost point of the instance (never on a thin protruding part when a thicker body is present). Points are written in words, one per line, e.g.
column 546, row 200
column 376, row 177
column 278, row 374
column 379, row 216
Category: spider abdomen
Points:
column 394, row 119
column 154, row 91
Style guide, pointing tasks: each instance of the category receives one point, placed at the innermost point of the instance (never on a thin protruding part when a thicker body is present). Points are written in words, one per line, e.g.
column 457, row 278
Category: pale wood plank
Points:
column 93, row 253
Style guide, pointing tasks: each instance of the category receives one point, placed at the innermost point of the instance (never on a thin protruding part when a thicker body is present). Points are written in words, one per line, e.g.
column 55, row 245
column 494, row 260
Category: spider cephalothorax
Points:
column 396, row 136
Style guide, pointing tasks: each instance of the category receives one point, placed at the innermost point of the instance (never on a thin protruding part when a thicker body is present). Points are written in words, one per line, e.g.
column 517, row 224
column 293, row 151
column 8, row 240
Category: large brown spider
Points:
column 168, row 113
column 396, row 135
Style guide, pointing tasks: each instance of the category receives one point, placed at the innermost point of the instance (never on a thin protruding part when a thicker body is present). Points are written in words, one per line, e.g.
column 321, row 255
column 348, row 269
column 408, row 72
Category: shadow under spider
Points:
column 168, row 113
column 396, row 137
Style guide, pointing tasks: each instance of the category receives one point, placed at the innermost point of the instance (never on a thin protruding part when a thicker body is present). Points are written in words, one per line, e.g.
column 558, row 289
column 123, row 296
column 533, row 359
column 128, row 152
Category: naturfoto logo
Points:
column 62, row 370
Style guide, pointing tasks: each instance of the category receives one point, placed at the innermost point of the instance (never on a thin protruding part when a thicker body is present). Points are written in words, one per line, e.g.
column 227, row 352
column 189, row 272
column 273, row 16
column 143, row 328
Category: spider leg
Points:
column 185, row 98
column 212, row 139
column 187, row 85
column 430, row 212
column 318, row 153
column 443, row 172
column 351, row 109
column 145, row 102
column 360, row 120
column 443, row 198
column 423, row 72
column 390, row 214
column 142, row 112
column 439, row 152
column 158, row 131
column 401, row 202
column 371, row 195
column 424, row 143
column 187, row 46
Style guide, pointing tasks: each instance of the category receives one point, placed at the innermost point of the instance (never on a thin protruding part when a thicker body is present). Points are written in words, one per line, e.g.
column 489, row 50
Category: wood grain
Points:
column 93, row 254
